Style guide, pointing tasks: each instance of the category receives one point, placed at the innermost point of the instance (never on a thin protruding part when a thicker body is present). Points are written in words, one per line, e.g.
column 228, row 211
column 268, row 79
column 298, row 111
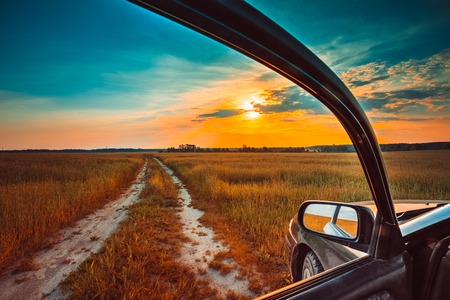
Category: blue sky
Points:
column 106, row 73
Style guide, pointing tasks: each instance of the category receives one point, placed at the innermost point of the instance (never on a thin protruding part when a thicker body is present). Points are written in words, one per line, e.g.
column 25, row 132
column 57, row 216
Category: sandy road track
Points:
column 201, row 250
column 76, row 245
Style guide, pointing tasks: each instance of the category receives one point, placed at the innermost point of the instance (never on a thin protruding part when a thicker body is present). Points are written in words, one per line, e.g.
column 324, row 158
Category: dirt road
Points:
column 87, row 236
column 199, row 253
column 76, row 245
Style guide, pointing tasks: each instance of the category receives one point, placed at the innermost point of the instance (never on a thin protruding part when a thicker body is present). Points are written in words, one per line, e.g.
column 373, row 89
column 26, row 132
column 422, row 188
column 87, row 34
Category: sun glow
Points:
column 252, row 114
column 248, row 105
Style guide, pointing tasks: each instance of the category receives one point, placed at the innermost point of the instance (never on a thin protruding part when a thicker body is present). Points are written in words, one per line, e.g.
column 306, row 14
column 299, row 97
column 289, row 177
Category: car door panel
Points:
column 366, row 278
column 331, row 253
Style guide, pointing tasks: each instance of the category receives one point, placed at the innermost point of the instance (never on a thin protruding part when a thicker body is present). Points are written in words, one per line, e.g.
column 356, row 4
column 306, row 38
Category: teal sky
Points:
column 107, row 73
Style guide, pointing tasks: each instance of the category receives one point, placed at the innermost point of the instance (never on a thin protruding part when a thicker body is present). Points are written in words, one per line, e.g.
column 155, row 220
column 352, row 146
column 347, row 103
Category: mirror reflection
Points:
column 332, row 219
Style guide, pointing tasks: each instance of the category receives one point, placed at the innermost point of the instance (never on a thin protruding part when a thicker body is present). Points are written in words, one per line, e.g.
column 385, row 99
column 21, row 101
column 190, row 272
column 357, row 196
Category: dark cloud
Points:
column 412, row 100
column 387, row 119
column 421, row 93
column 288, row 99
column 222, row 113
column 375, row 103
column 268, row 76
column 358, row 83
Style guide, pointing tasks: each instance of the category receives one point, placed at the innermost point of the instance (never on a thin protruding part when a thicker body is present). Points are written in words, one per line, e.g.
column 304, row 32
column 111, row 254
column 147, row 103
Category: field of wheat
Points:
column 42, row 192
column 260, row 192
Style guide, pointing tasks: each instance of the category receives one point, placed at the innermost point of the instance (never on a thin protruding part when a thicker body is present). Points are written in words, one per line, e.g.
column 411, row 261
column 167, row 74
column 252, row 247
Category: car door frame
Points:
column 240, row 26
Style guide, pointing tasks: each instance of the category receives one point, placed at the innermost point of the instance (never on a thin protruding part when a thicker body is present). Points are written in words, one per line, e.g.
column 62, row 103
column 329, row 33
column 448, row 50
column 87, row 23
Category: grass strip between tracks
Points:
column 140, row 261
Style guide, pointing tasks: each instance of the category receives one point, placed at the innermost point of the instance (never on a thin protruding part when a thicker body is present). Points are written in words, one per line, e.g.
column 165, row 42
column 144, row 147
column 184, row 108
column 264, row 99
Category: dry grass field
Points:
column 257, row 194
column 248, row 199
column 43, row 192
column 140, row 261
column 260, row 193
column 419, row 174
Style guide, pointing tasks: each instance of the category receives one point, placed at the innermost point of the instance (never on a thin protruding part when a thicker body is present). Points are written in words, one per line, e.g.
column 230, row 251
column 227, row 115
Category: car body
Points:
column 402, row 262
column 310, row 254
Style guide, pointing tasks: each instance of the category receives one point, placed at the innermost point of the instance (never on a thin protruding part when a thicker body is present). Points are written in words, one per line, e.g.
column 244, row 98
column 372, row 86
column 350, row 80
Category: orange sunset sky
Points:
column 110, row 74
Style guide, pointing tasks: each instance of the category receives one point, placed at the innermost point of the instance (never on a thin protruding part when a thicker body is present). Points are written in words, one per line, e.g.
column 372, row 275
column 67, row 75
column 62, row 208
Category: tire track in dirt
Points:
column 199, row 253
column 76, row 245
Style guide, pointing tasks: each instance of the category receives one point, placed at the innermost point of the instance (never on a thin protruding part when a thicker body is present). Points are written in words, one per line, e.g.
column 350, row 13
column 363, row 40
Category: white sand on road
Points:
column 201, row 250
column 76, row 245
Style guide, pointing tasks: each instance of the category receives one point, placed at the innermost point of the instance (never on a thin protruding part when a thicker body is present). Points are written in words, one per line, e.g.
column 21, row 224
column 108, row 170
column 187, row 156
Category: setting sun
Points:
column 252, row 114
column 248, row 106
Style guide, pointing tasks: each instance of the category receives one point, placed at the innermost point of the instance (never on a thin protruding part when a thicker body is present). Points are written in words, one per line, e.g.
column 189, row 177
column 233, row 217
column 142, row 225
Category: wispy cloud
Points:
column 280, row 100
column 223, row 113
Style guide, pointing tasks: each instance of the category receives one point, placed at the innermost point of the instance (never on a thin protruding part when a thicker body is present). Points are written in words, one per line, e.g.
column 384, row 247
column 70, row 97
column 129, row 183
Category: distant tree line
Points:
column 194, row 148
column 415, row 147
column 325, row 148
column 99, row 150
column 245, row 148
column 389, row 147
column 336, row 148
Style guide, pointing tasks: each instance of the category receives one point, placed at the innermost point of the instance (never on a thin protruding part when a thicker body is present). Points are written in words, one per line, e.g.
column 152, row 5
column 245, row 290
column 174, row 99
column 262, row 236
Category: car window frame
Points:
column 243, row 28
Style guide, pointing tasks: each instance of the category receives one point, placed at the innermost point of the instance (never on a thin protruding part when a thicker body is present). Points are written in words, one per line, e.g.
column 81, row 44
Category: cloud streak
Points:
column 288, row 98
column 406, row 89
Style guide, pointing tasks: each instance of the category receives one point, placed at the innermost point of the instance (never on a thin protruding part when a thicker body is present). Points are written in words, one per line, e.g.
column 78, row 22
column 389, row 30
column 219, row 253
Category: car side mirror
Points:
column 340, row 222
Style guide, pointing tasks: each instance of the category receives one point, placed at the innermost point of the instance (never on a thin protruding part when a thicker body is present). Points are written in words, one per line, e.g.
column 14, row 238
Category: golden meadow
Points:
column 257, row 193
column 260, row 193
column 41, row 193
column 139, row 260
